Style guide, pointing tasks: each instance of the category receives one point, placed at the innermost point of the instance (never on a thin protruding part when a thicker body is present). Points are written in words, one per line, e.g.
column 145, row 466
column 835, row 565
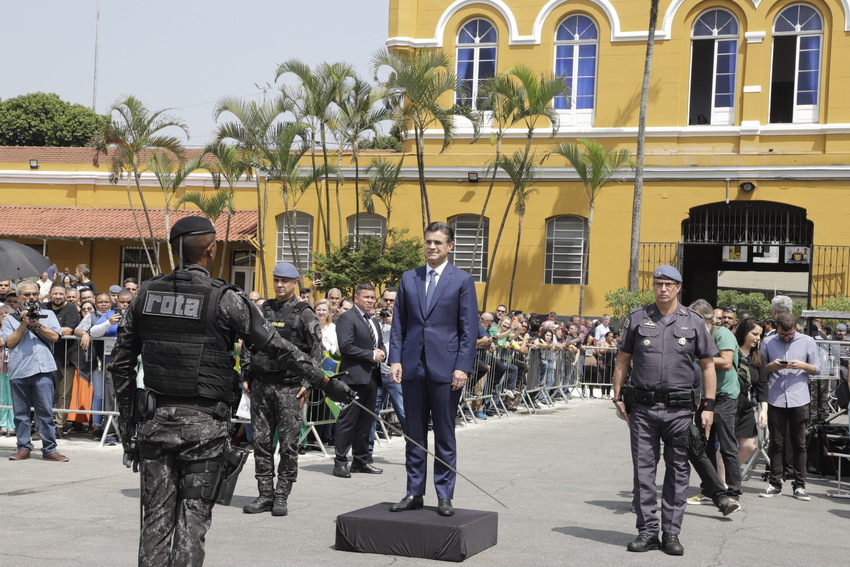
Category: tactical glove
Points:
column 338, row 391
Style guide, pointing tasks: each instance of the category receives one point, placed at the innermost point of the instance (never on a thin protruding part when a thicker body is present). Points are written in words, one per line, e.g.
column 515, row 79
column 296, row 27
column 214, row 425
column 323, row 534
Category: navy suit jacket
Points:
column 357, row 348
column 445, row 334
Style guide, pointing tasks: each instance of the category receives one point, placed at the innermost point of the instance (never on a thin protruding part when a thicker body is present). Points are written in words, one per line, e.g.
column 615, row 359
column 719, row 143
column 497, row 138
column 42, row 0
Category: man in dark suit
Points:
column 432, row 352
column 362, row 350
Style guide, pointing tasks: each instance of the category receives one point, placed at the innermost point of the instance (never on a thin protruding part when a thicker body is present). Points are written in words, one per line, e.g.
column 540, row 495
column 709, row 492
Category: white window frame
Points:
column 303, row 239
column 476, row 46
column 571, row 260
column 572, row 116
column 371, row 224
column 802, row 113
column 461, row 254
column 720, row 115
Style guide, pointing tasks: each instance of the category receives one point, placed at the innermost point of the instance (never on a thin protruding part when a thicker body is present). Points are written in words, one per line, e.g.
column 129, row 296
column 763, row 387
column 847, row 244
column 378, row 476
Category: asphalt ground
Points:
column 564, row 475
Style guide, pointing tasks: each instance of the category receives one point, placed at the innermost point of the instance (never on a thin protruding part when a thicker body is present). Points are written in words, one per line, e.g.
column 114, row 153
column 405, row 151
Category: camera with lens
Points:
column 385, row 313
column 32, row 313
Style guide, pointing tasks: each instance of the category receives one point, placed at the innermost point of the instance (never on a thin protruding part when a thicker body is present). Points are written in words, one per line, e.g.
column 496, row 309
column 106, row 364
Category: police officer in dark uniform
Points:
column 277, row 391
column 184, row 325
column 661, row 341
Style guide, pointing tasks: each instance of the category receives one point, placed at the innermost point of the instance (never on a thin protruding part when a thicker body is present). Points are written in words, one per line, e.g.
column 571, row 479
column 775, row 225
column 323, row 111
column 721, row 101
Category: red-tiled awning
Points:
column 108, row 223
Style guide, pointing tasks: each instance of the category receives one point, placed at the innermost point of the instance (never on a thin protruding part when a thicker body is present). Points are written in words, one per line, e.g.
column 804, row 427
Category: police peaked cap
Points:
column 286, row 270
column 667, row 273
column 191, row 225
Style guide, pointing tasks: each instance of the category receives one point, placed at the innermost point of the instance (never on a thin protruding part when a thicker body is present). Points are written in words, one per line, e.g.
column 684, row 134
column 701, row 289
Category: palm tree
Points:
column 522, row 172
column 211, row 206
column 170, row 174
column 595, row 167
column 229, row 166
column 133, row 132
column 417, row 84
column 383, row 182
column 315, row 101
column 251, row 130
column 529, row 102
column 357, row 115
column 637, row 202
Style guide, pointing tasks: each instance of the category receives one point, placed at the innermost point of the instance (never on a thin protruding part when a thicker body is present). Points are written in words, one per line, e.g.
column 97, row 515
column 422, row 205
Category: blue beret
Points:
column 666, row 272
column 191, row 225
column 285, row 270
column 115, row 289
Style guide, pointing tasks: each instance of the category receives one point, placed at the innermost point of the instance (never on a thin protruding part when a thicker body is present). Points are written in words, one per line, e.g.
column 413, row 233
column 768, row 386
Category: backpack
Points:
column 745, row 377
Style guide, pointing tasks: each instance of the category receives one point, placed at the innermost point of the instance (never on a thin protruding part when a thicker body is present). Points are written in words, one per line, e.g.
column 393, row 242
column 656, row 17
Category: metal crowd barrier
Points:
column 590, row 377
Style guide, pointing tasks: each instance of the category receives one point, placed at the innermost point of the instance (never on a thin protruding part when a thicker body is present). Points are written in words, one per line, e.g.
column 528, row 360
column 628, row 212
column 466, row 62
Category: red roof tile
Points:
column 107, row 223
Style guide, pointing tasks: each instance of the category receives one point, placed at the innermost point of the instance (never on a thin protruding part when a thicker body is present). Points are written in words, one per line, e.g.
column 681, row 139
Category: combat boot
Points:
column 259, row 505
column 263, row 502
column 279, row 508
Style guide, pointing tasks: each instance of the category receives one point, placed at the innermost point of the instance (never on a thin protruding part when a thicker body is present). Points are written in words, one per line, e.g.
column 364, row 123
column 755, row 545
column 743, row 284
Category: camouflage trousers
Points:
column 275, row 406
column 173, row 529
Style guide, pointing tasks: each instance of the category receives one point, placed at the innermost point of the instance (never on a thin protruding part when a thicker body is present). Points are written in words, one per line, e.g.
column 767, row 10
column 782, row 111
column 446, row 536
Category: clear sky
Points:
column 180, row 54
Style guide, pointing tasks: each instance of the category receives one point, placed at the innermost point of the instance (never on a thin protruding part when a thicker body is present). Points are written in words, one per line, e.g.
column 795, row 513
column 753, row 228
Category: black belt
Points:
column 673, row 398
column 215, row 408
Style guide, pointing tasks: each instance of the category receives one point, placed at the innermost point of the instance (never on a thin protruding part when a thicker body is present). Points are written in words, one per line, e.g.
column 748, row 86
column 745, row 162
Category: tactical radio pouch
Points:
column 681, row 399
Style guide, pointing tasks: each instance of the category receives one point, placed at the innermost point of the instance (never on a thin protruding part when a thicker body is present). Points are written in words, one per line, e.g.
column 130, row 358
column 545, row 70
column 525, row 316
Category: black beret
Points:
column 191, row 225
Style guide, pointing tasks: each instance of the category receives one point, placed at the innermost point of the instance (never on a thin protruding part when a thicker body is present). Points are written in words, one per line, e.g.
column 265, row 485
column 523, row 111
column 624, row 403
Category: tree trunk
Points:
column 357, row 193
column 420, row 166
column 261, row 236
column 637, row 203
column 156, row 270
column 226, row 235
column 138, row 226
column 480, row 226
column 327, row 185
column 516, row 259
column 585, row 260
column 293, row 243
column 323, row 229
column 167, row 232
column 496, row 249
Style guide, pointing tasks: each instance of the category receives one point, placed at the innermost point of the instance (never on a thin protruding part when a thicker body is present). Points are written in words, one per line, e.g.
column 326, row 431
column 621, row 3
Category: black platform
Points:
column 417, row 533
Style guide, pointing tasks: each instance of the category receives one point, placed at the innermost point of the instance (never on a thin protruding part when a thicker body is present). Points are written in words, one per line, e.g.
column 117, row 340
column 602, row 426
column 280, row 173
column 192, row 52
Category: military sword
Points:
column 436, row 458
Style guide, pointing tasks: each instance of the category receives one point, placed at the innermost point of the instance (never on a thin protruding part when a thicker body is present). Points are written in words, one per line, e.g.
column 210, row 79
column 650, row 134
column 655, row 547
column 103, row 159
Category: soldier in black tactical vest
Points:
column 184, row 326
column 277, row 392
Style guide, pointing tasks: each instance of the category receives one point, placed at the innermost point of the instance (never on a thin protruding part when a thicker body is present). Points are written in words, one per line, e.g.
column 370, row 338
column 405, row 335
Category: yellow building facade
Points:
column 747, row 147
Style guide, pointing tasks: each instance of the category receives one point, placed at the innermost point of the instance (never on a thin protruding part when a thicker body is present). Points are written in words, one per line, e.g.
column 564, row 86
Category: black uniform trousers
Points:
column 649, row 425
column 354, row 425
column 173, row 528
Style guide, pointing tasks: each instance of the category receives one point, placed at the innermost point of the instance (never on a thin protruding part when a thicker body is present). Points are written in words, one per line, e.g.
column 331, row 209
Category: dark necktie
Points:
column 371, row 329
column 432, row 283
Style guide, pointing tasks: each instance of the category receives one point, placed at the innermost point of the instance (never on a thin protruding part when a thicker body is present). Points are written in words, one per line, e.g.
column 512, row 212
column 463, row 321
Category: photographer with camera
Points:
column 29, row 335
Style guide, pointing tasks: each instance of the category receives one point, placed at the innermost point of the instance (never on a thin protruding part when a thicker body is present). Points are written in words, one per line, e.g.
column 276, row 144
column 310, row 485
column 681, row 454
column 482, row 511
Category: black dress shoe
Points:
column 407, row 503
column 341, row 471
column 367, row 468
column 670, row 545
column 444, row 507
column 644, row 542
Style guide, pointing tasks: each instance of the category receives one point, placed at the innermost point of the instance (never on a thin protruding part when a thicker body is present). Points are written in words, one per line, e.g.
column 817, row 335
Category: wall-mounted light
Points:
column 33, row 164
column 472, row 177
column 747, row 186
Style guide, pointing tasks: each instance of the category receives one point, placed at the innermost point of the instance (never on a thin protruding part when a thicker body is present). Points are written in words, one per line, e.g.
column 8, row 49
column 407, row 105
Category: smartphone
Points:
column 317, row 275
column 783, row 362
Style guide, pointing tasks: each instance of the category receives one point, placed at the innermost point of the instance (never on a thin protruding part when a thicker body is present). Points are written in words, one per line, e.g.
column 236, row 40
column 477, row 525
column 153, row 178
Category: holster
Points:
column 234, row 459
column 693, row 439
column 144, row 405
column 629, row 395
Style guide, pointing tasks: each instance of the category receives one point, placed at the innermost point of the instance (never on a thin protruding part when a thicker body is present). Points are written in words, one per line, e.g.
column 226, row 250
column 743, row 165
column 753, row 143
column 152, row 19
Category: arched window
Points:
column 795, row 74
column 295, row 239
column 714, row 62
column 566, row 238
column 465, row 254
column 370, row 225
column 476, row 60
column 576, row 45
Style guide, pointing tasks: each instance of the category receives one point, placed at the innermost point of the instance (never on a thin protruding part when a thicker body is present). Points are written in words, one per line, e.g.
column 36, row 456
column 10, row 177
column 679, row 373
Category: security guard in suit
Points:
column 277, row 391
column 184, row 325
column 660, row 341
